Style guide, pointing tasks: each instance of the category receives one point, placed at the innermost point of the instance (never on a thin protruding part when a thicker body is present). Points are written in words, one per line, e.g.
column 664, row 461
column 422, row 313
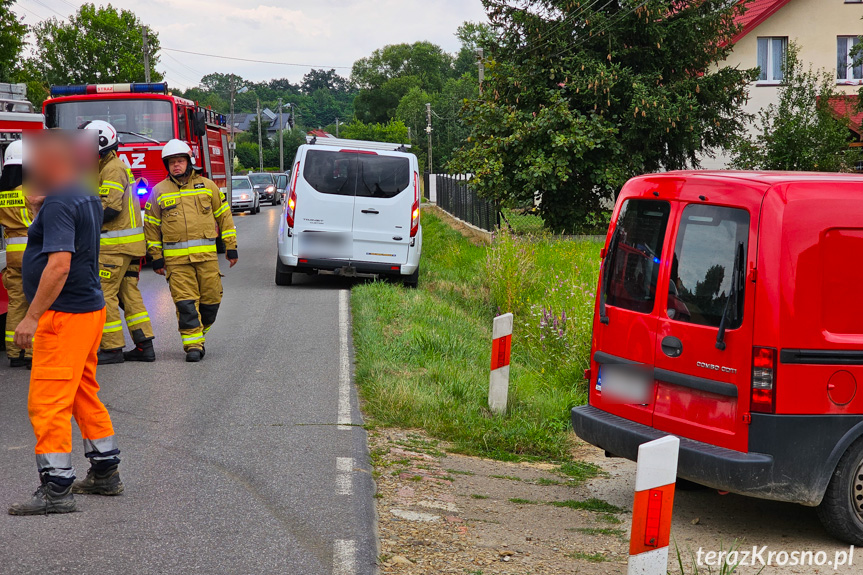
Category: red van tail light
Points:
column 763, row 380
column 291, row 208
column 415, row 208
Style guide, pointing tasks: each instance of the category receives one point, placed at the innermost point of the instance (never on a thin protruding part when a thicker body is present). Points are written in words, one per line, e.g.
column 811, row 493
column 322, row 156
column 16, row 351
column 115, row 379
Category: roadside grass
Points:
column 591, row 504
column 422, row 356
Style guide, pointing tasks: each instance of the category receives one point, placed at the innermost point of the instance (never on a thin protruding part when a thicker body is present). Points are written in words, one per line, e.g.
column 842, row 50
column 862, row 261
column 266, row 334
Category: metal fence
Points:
column 455, row 196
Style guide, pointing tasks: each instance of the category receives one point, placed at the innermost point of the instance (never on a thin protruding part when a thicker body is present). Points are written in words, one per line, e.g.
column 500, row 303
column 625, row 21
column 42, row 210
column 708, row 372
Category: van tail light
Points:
column 763, row 380
column 291, row 207
column 415, row 208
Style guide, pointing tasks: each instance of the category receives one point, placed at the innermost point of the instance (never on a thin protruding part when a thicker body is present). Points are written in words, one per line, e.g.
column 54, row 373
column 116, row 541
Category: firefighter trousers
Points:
column 63, row 385
column 119, row 275
column 197, row 291
column 17, row 309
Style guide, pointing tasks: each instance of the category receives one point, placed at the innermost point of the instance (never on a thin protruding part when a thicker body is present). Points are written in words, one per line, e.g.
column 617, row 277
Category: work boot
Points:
column 20, row 361
column 100, row 482
column 50, row 497
column 194, row 355
column 143, row 352
column 109, row 356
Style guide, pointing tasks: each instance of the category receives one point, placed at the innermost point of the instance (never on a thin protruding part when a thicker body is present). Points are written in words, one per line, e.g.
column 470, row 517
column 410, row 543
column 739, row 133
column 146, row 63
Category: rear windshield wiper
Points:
column 142, row 136
column 736, row 280
column 606, row 271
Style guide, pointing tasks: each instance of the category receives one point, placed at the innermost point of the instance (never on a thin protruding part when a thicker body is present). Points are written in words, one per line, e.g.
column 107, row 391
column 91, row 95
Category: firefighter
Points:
column 185, row 213
column 16, row 215
column 121, row 248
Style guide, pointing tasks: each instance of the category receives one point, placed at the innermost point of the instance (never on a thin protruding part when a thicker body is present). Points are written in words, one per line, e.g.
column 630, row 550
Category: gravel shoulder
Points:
column 447, row 513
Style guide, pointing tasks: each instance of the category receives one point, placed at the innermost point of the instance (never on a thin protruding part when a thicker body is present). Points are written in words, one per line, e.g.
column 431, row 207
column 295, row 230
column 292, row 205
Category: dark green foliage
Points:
column 579, row 97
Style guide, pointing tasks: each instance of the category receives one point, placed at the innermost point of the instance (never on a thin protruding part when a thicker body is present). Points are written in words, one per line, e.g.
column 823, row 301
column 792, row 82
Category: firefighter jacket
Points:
column 15, row 217
column 123, row 234
column 182, row 222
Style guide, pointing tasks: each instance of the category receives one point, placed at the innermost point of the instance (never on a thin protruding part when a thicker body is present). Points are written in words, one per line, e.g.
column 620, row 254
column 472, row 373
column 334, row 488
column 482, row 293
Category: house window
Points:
column 846, row 67
column 771, row 59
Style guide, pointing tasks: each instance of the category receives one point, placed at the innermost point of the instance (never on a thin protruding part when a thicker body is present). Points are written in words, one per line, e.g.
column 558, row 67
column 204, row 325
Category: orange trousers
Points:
column 63, row 385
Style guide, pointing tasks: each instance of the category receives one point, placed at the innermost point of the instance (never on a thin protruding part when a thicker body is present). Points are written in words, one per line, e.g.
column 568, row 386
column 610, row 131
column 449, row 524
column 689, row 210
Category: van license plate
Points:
column 625, row 384
column 325, row 245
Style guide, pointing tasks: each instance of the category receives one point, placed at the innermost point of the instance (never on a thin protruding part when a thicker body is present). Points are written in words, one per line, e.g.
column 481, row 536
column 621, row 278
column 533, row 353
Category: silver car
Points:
column 244, row 197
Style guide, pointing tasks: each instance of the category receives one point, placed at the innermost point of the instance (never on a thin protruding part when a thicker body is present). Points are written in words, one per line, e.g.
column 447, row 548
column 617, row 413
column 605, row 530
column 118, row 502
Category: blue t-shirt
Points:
column 70, row 221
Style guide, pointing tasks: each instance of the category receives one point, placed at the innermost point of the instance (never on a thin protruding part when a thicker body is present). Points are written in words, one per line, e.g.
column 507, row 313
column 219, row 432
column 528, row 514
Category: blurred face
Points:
column 177, row 165
column 56, row 159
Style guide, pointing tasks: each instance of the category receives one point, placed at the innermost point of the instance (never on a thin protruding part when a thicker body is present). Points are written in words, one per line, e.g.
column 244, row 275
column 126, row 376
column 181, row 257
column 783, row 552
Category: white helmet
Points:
column 108, row 139
column 177, row 148
column 14, row 155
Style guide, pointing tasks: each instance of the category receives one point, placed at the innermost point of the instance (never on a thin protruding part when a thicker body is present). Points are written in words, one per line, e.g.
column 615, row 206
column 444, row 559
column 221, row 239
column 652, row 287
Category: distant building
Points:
column 824, row 31
column 269, row 121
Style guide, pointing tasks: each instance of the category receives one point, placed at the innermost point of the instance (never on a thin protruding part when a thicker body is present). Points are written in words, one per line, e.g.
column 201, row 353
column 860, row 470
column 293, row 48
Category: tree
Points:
column 801, row 131
column 96, row 45
column 221, row 84
column 393, row 131
column 324, row 80
column 579, row 97
column 390, row 72
column 12, row 33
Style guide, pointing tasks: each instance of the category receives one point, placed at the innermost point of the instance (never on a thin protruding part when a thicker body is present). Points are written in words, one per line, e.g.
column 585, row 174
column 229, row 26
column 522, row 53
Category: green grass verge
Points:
column 591, row 504
column 422, row 356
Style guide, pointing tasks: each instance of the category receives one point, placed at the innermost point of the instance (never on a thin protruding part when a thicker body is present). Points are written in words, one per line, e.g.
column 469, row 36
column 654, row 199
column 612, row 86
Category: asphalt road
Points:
column 251, row 462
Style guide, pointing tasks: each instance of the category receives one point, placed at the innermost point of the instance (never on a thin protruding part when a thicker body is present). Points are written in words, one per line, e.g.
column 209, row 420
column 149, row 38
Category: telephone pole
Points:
column 232, row 145
column 481, row 64
column 260, row 141
column 337, row 127
column 429, row 132
column 281, row 140
column 146, row 55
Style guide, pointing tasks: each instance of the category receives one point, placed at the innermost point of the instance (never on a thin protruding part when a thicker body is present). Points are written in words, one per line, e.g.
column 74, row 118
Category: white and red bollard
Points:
column 655, row 476
column 501, row 345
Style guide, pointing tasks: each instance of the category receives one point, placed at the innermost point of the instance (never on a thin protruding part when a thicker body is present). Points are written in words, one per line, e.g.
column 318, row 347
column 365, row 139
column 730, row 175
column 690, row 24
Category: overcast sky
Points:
column 321, row 33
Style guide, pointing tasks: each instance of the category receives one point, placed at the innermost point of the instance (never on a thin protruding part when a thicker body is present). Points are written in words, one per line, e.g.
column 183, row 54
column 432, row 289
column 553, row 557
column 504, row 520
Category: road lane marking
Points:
column 344, row 420
column 344, row 480
column 344, row 557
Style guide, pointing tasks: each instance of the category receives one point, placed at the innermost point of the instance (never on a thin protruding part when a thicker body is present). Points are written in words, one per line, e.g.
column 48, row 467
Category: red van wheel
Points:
column 841, row 510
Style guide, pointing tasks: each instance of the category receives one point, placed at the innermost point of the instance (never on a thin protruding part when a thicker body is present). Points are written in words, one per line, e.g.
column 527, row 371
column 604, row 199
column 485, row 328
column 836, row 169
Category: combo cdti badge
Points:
column 730, row 313
column 353, row 208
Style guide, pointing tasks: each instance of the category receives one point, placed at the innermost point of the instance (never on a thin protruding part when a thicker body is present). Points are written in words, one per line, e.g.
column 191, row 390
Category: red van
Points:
column 730, row 313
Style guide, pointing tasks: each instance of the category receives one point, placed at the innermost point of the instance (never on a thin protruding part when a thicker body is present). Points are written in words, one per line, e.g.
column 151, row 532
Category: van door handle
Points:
column 671, row 346
column 370, row 211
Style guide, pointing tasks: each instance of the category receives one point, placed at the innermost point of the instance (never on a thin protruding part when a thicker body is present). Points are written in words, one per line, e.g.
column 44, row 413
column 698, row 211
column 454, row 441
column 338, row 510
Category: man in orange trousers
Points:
column 64, row 326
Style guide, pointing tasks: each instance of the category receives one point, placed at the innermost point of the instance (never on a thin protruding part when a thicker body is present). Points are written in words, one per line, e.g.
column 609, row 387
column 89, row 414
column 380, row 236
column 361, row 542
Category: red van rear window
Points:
column 635, row 254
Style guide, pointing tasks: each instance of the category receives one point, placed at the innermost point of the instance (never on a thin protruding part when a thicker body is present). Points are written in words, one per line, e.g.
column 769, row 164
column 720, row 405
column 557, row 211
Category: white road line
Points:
column 344, row 472
column 345, row 419
column 344, row 557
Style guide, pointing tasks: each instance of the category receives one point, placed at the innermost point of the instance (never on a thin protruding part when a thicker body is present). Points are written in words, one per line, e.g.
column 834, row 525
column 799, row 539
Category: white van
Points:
column 353, row 209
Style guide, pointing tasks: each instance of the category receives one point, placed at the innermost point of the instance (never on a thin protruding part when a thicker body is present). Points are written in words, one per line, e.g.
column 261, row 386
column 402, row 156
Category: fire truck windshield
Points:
column 137, row 121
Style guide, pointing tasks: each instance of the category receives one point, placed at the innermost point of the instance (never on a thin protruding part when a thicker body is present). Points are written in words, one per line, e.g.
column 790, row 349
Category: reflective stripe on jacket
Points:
column 15, row 217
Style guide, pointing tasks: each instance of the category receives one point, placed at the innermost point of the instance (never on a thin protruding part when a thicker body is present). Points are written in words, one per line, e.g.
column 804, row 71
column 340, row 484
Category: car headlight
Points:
column 244, row 196
column 271, row 189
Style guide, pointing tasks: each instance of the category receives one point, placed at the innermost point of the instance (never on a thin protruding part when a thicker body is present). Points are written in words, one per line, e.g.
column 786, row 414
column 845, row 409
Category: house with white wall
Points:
column 824, row 31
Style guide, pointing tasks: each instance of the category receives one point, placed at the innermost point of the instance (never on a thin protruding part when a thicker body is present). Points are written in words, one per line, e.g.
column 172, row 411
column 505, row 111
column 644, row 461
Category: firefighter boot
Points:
column 109, row 356
column 143, row 352
column 100, row 480
column 50, row 497
column 21, row 361
column 194, row 355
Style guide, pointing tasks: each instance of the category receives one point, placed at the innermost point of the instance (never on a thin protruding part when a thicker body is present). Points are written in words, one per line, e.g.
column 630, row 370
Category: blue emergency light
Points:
column 133, row 88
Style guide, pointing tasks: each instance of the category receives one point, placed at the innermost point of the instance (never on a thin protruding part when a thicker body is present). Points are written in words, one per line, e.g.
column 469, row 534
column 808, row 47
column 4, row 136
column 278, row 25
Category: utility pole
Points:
column 260, row 141
column 281, row 140
column 337, row 127
column 481, row 64
column 233, row 144
column 429, row 132
column 146, row 55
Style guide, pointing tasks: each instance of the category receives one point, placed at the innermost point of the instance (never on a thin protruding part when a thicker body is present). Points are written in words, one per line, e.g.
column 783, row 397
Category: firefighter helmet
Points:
column 108, row 140
column 14, row 155
column 177, row 148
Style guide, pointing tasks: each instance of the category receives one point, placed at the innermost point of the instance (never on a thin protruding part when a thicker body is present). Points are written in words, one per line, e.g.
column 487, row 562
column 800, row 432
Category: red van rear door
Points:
column 702, row 377
column 626, row 332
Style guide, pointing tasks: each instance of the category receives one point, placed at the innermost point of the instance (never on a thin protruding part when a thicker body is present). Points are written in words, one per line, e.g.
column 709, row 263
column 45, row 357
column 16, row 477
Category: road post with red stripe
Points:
column 655, row 476
column 501, row 345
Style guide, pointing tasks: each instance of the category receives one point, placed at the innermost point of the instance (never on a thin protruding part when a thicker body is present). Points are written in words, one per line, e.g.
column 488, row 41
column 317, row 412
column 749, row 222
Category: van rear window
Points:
column 708, row 242
column 353, row 174
column 635, row 254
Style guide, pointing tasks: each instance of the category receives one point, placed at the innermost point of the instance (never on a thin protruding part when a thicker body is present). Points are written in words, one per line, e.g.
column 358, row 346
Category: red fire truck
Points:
column 16, row 116
column 146, row 116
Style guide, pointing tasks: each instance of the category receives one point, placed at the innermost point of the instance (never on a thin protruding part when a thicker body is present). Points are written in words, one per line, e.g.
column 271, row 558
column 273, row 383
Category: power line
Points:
column 51, row 9
column 611, row 22
column 254, row 61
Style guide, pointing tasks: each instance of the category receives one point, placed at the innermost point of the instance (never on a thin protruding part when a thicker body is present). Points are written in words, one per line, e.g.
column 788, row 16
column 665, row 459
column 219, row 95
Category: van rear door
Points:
column 626, row 332
column 385, row 193
column 702, row 377
column 324, row 211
